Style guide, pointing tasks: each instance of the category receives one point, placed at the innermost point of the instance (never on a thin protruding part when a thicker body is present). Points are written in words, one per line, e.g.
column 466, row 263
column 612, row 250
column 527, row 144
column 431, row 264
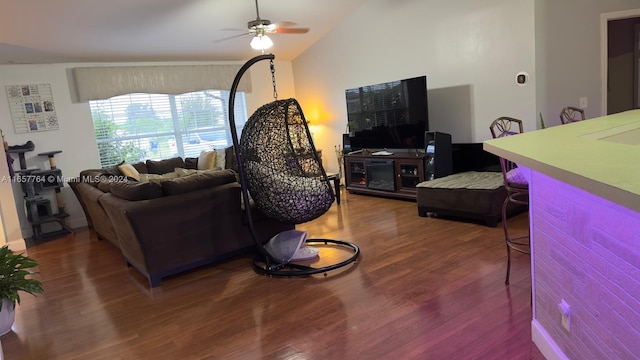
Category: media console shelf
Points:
column 395, row 175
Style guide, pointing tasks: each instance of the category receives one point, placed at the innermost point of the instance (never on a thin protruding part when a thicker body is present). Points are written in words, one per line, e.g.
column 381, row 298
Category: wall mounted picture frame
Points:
column 32, row 108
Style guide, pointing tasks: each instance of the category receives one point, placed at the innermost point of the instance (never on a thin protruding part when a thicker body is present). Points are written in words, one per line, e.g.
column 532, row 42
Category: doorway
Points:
column 620, row 61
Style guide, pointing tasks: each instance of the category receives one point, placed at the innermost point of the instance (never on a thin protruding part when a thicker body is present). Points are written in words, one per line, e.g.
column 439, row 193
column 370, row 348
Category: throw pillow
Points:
column 129, row 171
column 230, row 159
column 164, row 166
column 220, row 158
column 134, row 191
column 191, row 163
column 207, row 160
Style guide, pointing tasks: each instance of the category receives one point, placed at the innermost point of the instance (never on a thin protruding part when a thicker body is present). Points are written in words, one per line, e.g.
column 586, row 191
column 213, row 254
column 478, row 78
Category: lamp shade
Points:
column 261, row 42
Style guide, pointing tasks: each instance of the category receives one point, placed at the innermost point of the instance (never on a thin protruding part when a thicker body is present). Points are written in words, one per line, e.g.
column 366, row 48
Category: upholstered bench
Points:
column 469, row 195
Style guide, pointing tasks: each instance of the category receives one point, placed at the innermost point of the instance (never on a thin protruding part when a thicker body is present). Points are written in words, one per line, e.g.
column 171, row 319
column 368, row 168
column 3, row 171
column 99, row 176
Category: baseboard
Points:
column 545, row 342
column 76, row 222
column 17, row 245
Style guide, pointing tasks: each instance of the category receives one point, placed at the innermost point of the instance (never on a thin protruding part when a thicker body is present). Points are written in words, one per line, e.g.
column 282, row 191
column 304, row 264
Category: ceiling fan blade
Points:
column 233, row 29
column 283, row 24
column 290, row 31
column 230, row 37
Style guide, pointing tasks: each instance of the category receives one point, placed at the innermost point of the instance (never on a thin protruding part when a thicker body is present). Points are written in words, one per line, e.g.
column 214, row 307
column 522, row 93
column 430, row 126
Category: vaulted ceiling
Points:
column 54, row 31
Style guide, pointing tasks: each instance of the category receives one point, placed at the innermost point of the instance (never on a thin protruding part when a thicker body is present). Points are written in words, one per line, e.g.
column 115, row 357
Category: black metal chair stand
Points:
column 279, row 169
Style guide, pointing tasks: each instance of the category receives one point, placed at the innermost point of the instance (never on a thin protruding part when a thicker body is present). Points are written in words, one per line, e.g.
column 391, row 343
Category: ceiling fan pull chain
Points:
column 273, row 80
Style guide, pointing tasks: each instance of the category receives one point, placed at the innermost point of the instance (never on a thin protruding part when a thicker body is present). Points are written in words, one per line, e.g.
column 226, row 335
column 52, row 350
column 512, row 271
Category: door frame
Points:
column 636, row 66
column 604, row 48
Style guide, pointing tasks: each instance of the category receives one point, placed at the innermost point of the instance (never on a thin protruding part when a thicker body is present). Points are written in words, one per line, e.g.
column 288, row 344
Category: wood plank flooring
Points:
column 424, row 288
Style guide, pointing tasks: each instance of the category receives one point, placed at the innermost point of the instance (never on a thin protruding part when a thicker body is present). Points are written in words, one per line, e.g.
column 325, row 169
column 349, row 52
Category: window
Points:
column 136, row 127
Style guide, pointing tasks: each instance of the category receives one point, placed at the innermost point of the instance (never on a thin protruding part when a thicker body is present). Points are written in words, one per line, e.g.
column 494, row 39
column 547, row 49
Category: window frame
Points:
column 119, row 125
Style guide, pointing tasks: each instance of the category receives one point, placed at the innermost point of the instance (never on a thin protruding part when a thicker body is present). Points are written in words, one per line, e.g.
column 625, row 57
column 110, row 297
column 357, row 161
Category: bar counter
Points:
column 601, row 155
column 584, row 212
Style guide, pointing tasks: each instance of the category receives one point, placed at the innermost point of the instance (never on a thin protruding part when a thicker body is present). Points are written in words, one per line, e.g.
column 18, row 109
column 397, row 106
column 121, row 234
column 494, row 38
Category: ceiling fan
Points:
column 259, row 28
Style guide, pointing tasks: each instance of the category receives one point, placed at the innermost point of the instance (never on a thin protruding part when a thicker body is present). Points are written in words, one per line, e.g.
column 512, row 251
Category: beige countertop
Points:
column 600, row 155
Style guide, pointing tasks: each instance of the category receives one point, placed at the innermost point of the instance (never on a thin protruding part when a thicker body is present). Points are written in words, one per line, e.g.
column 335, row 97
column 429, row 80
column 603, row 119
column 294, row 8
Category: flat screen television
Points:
column 391, row 115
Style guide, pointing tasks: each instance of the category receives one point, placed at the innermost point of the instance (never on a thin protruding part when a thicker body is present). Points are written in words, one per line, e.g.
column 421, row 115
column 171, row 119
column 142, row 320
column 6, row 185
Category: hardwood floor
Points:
column 424, row 288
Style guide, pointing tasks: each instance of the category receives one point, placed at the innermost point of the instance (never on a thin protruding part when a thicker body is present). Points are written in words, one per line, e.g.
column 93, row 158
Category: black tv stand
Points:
column 409, row 168
column 394, row 175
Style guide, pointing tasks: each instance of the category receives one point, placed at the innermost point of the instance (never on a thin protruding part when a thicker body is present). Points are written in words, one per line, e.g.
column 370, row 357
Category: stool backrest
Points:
column 570, row 114
column 508, row 126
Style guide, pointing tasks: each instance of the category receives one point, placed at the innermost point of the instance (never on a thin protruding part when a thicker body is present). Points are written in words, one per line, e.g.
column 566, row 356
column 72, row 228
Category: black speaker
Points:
column 346, row 143
column 438, row 160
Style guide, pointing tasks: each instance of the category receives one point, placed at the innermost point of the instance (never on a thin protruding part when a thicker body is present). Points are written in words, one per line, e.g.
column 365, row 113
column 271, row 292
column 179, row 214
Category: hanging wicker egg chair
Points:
column 281, row 172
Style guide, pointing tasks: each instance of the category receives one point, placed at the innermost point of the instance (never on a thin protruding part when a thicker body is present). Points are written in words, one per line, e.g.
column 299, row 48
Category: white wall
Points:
column 75, row 137
column 568, row 54
column 469, row 50
column 10, row 232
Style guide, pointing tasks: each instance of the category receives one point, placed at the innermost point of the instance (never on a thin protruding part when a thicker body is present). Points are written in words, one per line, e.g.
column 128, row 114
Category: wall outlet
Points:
column 565, row 313
column 583, row 102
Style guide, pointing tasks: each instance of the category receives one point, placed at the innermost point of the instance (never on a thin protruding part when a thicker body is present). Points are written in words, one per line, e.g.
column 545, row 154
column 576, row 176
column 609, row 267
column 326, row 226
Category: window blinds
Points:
column 136, row 127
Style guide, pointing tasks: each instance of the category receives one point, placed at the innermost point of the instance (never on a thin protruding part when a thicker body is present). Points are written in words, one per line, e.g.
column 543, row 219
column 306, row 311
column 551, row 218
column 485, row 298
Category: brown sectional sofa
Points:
column 169, row 226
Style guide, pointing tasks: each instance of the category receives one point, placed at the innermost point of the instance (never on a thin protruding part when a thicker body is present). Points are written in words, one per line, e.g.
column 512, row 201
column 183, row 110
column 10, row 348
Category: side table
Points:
column 335, row 177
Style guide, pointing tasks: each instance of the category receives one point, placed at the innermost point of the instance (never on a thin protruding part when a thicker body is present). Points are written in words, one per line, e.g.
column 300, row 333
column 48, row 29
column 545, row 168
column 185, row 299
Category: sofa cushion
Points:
column 135, row 191
column 104, row 186
column 197, row 181
column 157, row 178
column 141, row 167
column 164, row 166
column 92, row 176
column 112, row 170
column 185, row 172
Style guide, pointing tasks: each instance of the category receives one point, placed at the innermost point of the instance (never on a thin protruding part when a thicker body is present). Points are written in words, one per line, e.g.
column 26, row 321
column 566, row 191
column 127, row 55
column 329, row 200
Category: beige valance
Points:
column 98, row 83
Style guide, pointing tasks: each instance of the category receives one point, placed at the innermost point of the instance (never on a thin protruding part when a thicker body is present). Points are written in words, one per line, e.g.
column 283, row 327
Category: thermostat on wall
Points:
column 522, row 78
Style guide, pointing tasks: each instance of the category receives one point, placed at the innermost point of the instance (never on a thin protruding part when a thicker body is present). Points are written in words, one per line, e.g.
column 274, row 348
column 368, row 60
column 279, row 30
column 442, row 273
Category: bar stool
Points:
column 516, row 185
column 569, row 114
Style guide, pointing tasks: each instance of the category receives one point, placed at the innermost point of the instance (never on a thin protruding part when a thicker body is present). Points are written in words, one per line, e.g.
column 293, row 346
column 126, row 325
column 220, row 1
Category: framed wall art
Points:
column 32, row 108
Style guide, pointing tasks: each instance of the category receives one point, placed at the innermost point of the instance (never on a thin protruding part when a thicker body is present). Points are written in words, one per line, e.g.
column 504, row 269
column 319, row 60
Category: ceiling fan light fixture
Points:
column 261, row 42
